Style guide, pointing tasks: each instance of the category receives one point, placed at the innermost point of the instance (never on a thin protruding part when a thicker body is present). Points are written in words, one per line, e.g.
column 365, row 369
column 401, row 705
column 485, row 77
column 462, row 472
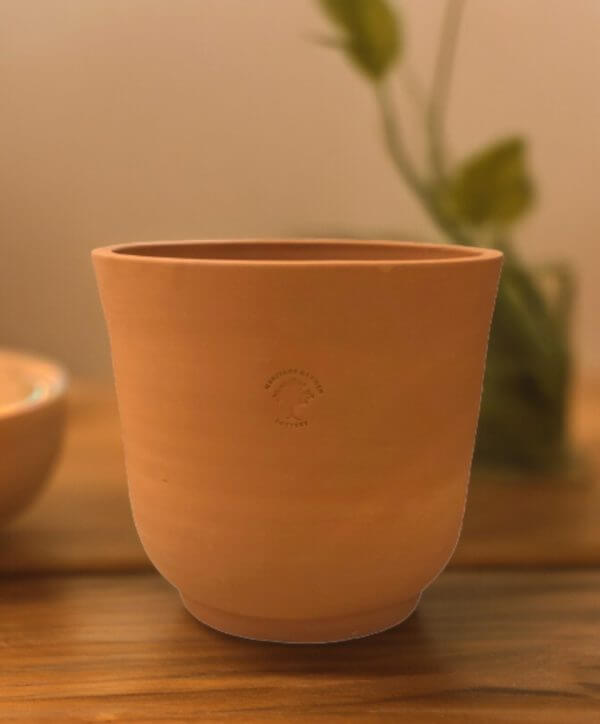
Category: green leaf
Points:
column 492, row 187
column 524, row 410
column 371, row 33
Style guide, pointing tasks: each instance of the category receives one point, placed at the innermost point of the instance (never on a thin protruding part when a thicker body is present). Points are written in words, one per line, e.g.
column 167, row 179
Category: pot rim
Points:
column 141, row 252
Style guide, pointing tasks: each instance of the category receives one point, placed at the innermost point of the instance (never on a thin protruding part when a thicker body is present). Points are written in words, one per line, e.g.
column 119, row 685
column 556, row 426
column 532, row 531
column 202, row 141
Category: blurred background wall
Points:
column 129, row 120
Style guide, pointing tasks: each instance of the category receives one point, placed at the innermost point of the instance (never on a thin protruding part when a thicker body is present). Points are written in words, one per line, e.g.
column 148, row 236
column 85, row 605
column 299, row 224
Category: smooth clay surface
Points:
column 298, row 420
column 32, row 412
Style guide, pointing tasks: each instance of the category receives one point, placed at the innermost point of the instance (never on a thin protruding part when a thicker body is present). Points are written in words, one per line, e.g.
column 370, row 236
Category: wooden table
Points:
column 509, row 633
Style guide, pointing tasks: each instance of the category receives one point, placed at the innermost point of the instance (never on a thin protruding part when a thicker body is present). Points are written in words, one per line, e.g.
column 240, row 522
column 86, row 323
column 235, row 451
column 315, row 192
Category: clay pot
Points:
column 32, row 416
column 298, row 420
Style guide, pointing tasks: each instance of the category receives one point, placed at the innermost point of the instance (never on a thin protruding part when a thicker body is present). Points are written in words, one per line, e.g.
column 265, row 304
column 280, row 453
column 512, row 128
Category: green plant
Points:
column 477, row 201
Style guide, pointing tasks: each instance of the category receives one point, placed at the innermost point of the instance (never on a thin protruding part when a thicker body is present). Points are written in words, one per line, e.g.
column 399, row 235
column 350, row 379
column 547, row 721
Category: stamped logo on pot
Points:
column 293, row 391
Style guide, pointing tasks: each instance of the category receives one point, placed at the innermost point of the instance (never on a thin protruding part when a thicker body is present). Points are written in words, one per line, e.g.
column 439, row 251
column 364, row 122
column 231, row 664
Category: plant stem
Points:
column 414, row 90
column 424, row 192
column 440, row 88
column 395, row 142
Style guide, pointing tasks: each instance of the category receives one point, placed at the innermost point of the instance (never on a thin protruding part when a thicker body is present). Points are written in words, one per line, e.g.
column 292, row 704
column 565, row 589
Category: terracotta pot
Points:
column 298, row 420
column 32, row 416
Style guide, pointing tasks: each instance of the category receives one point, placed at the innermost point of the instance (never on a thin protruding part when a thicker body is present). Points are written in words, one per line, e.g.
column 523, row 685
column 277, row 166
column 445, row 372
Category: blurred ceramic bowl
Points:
column 32, row 415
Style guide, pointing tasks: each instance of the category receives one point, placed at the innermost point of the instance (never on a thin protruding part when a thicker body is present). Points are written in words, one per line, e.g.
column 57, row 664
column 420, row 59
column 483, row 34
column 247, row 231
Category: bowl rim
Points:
column 140, row 252
column 38, row 369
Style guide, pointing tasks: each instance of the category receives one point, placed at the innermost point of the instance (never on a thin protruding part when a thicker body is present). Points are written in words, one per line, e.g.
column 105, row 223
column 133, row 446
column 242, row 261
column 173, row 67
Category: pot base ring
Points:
column 303, row 631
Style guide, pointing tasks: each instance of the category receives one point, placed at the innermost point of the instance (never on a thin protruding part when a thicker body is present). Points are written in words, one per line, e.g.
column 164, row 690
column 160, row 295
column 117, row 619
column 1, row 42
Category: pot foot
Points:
column 303, row 631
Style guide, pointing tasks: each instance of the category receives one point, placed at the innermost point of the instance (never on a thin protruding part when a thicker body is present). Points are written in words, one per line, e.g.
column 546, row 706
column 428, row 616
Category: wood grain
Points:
column 83, row 524
column 483, row 647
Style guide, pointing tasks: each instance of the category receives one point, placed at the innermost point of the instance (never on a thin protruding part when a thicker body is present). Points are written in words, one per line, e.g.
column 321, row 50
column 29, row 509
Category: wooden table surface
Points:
column 509, row 633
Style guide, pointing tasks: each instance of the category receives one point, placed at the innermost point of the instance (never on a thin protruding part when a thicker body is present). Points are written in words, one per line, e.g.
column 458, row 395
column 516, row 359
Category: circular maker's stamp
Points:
column 293, row 391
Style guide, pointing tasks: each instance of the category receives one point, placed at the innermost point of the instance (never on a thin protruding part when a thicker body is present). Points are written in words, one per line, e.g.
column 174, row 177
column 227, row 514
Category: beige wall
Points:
column 141, row 119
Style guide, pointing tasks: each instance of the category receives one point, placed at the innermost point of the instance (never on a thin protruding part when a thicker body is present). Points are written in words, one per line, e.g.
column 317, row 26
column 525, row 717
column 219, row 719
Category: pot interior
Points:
column 298, row 250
